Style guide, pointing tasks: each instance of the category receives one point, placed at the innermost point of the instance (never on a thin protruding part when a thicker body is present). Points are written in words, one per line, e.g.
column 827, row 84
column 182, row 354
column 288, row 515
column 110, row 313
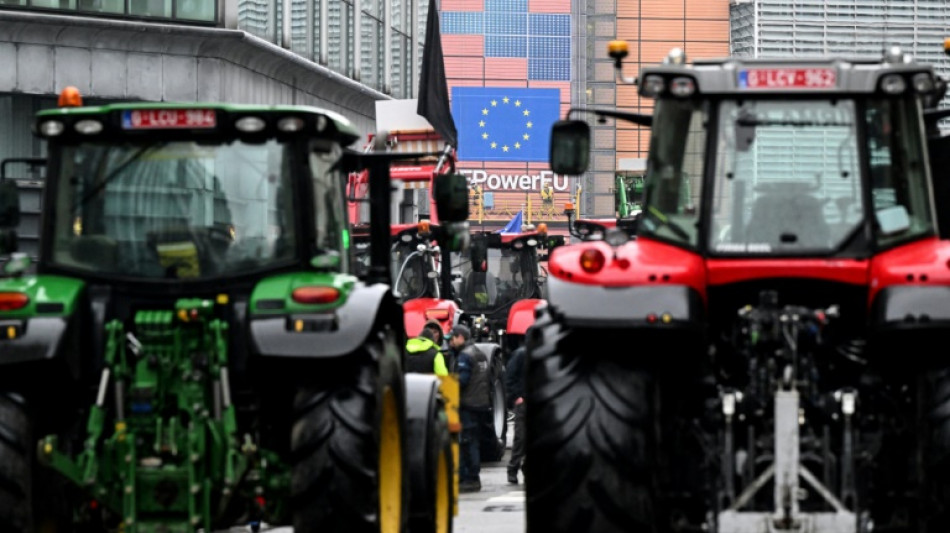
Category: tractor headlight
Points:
column 290, row 124
column 682, row 86
column 250, row 124
column 52, row 128
column 88, row 127
column 652, row 86
column 923, row 83
column 893, row 84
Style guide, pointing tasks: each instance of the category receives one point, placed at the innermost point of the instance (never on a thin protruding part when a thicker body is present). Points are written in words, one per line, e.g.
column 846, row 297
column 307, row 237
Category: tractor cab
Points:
column 415, row 258
column 822, row 158
column 193, row 305
column 786, row 255
column 501, row 272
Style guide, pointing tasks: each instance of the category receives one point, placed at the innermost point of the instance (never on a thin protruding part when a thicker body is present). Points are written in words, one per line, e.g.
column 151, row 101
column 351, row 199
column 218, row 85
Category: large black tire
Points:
column 937, row 455
column 494, row 435
column 430, row 457
column 588, row 433
column 349, row 446
column 16, row 459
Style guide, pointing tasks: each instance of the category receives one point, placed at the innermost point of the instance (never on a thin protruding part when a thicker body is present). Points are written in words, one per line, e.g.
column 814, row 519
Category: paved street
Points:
column 498, row 507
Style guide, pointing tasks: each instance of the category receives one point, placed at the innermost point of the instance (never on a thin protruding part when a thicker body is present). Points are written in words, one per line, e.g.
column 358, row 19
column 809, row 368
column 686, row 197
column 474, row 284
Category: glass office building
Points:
column 376, row 42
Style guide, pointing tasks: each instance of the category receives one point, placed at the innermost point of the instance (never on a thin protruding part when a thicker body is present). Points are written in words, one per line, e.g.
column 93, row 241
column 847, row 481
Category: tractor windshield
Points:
column 511, row 275
column 787, row 177
column 673, row 182
column 176, row 210
column 414, row 272
column 899, row 186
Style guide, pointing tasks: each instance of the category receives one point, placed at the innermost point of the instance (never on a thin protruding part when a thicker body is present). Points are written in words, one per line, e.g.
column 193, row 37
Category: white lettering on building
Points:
column 515, row 182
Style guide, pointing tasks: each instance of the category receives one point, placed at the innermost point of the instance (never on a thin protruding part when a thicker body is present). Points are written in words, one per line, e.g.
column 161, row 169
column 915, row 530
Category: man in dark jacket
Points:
column 423, row 355
column 475, row 402
column 514, row 385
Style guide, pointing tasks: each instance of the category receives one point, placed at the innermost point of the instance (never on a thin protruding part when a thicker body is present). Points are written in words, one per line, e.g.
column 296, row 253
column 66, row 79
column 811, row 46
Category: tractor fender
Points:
column 368, row 309
column 415, row 311
column 36, row 339
column 522, row 316
column 587, row 305
column 491, row 350
column 912, row 307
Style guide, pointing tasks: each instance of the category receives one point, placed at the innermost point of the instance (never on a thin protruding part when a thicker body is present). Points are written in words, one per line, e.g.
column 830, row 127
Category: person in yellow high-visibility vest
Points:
column 547, row 199
column 423, row 355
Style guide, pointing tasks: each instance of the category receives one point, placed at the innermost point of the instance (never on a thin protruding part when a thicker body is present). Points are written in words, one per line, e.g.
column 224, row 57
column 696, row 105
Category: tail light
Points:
column 11, row 301
column 592, row 260
column 315, row 295
column 437, row 314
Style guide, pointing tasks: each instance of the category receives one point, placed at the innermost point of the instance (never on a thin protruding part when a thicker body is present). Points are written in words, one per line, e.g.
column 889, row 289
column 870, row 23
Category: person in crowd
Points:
column 514, row 386
column 423, row 355
column 474, row 408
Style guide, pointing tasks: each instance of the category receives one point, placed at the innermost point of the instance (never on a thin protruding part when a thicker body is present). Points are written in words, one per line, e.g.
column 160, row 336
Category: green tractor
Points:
column 628, row 199
column 194, row 352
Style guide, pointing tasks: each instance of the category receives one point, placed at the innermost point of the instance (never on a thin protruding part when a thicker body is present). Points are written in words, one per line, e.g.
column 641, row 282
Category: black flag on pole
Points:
column 433, row 89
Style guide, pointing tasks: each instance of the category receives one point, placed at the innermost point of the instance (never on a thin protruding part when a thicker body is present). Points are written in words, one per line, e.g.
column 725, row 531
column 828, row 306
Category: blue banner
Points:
column 503, row 123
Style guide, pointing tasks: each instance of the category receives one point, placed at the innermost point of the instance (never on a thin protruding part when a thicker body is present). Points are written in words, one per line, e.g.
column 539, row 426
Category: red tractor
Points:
column 501, row 282
column 789, row 297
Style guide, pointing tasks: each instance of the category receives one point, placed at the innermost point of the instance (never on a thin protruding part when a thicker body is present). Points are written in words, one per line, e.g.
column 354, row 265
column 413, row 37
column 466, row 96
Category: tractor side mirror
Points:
column 451, row 197
column 570, row 147
column 9, row 215
column 479, row 254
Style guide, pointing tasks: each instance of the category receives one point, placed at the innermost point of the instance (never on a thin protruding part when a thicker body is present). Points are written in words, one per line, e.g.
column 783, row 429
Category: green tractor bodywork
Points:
column 628, row 191
column 195, row 306
column 175, row 440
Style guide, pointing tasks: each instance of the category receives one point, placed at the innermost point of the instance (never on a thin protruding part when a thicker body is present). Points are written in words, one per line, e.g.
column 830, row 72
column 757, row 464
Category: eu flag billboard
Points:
column 504, row 123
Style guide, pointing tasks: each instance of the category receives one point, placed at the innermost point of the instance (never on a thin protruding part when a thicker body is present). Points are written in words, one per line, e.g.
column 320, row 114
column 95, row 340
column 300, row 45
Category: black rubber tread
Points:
column 16, row 458
column 429, row 438
column 493, row 443
column 335, row 444
column 937, row 460
column 588, row 437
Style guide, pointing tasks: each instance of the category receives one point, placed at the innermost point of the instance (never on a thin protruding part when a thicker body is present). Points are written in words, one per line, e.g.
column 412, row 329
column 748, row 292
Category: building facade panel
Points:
column 144, row 76
column 464, row 67
column 707, row 9
column 653, row 52
column 707, row 30
column 549, row 6
column 698, row 50
column 180, row 78
column 109, row 73
column 662, row 8
column 663, row 30
column 461, row 5
column 506, row 68
column 209, row 79
column 72, row 68
column 464, row 45
column 33, row 65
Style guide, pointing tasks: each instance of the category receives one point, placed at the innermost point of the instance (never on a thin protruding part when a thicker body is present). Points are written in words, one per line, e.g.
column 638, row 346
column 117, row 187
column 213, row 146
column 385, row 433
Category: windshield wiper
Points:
column 116, row 172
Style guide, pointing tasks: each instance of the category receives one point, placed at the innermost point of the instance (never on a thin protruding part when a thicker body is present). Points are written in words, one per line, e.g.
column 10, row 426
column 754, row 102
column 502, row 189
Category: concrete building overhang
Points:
column 197, row 64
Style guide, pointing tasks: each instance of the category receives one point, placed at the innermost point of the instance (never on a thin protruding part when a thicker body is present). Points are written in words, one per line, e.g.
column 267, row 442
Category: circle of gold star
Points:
column 482, row 124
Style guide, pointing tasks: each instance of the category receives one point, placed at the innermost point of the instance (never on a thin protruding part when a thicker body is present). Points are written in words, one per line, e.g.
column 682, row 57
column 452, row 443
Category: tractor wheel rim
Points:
column 390, row 466
column 498, row 408
column 442, row 499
